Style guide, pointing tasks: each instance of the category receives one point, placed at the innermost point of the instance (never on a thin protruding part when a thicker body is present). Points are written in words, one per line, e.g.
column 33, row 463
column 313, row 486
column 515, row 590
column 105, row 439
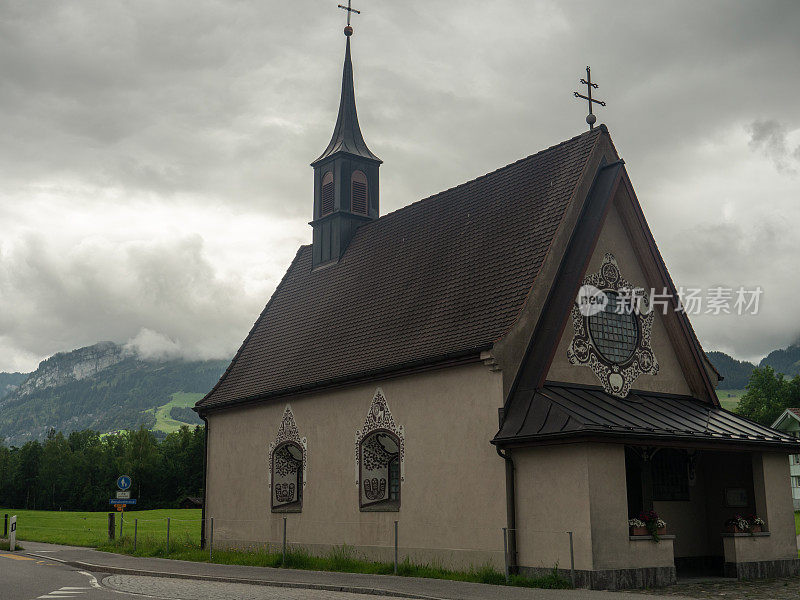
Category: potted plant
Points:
column 637, row 527
column 756, row 524
column 739, row 524
column 648, row 523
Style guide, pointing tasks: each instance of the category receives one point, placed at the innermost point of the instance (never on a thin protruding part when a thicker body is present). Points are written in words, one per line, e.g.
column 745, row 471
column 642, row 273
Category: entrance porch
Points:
column 696, row 491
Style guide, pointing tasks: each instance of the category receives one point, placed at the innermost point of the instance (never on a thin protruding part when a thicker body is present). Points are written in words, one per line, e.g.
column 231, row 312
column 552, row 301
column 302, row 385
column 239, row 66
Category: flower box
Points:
column 645, row 531
column 737, row 529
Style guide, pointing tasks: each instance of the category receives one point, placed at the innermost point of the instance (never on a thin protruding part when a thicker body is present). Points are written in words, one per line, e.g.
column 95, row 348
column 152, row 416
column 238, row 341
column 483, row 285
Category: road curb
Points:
column 216, row 578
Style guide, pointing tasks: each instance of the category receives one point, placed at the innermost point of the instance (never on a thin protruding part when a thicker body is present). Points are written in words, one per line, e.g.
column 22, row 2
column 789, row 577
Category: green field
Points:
column 730, row 398
column 91, row 528
column 164, row 422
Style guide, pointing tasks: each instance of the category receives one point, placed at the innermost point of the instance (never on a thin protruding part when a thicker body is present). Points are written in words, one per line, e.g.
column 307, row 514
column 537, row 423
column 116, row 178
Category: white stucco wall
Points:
column 453, row 497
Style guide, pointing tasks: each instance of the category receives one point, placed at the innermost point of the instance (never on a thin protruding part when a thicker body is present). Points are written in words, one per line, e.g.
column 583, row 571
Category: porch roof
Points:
column 558, row 410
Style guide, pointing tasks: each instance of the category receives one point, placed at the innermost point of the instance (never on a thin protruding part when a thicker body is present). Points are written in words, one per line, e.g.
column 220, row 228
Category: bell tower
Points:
column 345, row 178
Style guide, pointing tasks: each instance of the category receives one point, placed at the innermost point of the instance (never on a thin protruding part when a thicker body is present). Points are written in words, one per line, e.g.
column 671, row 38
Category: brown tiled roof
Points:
column 443, row 277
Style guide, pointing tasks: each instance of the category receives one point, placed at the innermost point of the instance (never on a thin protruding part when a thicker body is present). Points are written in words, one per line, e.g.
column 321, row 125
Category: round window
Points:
column 615, row 334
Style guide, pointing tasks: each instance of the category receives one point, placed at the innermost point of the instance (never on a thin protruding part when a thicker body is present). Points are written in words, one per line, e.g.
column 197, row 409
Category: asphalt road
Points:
column 26, row 578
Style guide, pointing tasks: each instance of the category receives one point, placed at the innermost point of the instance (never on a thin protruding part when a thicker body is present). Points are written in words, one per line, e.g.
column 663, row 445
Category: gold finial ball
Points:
column 348, row 31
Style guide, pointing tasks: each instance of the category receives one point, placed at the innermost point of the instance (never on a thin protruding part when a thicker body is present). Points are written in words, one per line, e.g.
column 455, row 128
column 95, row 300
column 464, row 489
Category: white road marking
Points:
column 66, row 588
column 92, row 580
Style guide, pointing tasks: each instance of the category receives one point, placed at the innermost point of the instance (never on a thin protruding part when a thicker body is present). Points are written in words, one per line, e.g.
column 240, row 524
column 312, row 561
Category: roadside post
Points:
column 12, row 534
column 395, row 548
column 5, row 526
column 211, row 542
column 123, row 497
column 135, row 531
column 283, row 562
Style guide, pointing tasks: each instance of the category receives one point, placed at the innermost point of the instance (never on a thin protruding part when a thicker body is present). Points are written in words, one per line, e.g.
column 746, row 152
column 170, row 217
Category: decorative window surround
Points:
column 632, row 360
column 373, row 460
column 289, row 496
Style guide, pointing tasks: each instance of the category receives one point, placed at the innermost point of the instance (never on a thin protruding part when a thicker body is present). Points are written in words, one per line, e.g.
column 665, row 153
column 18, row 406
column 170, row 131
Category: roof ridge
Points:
column 485, row 175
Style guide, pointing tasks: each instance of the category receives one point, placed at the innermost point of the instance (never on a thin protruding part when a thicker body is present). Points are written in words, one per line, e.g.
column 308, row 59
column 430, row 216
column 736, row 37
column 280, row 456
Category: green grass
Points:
column 91, row 528
column 730, row 398
column 342, row 559
column 164, row 422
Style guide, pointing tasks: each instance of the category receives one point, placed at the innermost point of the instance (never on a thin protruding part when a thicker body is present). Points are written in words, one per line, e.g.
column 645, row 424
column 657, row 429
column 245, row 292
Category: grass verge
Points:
column 341, row 559
column 4, row 545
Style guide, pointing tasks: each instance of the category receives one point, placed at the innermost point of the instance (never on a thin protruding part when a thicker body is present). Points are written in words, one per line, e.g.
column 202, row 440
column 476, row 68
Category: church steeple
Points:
column 345, row 178
column 347, row 135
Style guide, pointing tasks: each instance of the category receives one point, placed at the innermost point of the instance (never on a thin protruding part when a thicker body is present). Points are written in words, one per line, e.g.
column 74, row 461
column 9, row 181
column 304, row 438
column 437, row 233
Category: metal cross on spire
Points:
column 590, row 118
column 348, row 31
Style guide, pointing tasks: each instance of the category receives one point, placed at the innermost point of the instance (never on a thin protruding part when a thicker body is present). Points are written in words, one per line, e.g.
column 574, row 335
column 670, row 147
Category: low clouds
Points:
column 770, row 137
column 151, row 345
column 163, row 296
column 154, row 178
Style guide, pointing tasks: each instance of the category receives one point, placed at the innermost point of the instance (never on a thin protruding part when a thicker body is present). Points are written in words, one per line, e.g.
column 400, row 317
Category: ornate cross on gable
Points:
column 349, row 10
column 590, row 118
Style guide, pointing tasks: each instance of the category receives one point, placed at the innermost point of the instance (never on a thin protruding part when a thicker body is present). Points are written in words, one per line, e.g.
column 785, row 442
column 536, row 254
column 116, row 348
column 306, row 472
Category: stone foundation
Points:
column 612, row 579
column 763, row 569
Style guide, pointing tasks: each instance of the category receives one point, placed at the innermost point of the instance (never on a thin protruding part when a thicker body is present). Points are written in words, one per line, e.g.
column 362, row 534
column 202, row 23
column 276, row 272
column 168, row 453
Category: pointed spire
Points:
column 347, row 134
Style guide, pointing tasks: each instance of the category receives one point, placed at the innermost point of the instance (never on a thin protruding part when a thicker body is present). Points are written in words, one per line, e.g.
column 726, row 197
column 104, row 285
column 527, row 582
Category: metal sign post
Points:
column 12, row 533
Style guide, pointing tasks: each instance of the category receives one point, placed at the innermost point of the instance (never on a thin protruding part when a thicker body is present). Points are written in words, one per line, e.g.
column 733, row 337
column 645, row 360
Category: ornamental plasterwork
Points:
column 379, row 417
column 614, row 344
column 287, row 432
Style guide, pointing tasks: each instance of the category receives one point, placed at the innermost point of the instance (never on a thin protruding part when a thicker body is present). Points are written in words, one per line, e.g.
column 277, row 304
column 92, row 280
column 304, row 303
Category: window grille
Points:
column 670, row 475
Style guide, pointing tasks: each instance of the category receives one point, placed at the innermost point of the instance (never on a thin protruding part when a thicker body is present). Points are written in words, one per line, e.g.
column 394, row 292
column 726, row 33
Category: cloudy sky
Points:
column 154, row 178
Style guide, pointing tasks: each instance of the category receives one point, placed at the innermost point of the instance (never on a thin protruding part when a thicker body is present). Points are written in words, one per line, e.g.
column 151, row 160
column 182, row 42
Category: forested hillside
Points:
column 9, row 382
column 737, row 372
column 100, row 388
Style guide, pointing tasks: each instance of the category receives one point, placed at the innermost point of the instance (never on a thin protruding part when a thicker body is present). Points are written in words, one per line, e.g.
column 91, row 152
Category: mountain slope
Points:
column 736, row 373
column 9, row 382
column 784, row 361
column 100, row 387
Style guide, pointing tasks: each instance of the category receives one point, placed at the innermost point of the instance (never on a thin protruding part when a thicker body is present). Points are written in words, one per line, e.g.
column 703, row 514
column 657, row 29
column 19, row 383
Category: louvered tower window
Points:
column 358, row 197
column 327, row 194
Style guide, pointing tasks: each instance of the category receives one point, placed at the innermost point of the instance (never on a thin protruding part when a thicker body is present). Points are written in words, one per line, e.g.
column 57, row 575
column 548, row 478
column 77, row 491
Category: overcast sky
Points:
column 154, row 178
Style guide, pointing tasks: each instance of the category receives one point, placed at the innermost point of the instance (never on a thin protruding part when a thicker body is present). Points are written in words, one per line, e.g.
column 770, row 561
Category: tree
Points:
column 768, row 395
column 142, row 462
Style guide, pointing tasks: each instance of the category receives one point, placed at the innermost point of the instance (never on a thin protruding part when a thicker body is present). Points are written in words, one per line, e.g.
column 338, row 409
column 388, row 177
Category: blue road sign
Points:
column 121, row 501
column 123, row 482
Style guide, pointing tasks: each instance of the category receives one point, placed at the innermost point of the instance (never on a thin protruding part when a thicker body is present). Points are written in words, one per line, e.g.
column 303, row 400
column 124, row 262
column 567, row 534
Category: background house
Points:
column 789, row 422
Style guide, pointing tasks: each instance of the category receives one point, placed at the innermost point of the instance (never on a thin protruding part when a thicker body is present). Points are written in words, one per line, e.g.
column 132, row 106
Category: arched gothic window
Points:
column 380, row 446
column 328, row 194
column 380, row 469
column 359, row 195
column 287, row 476
column 287, row 466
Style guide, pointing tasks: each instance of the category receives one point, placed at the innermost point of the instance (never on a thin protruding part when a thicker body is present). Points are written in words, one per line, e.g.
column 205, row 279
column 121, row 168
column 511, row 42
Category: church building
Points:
column 489, row 358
